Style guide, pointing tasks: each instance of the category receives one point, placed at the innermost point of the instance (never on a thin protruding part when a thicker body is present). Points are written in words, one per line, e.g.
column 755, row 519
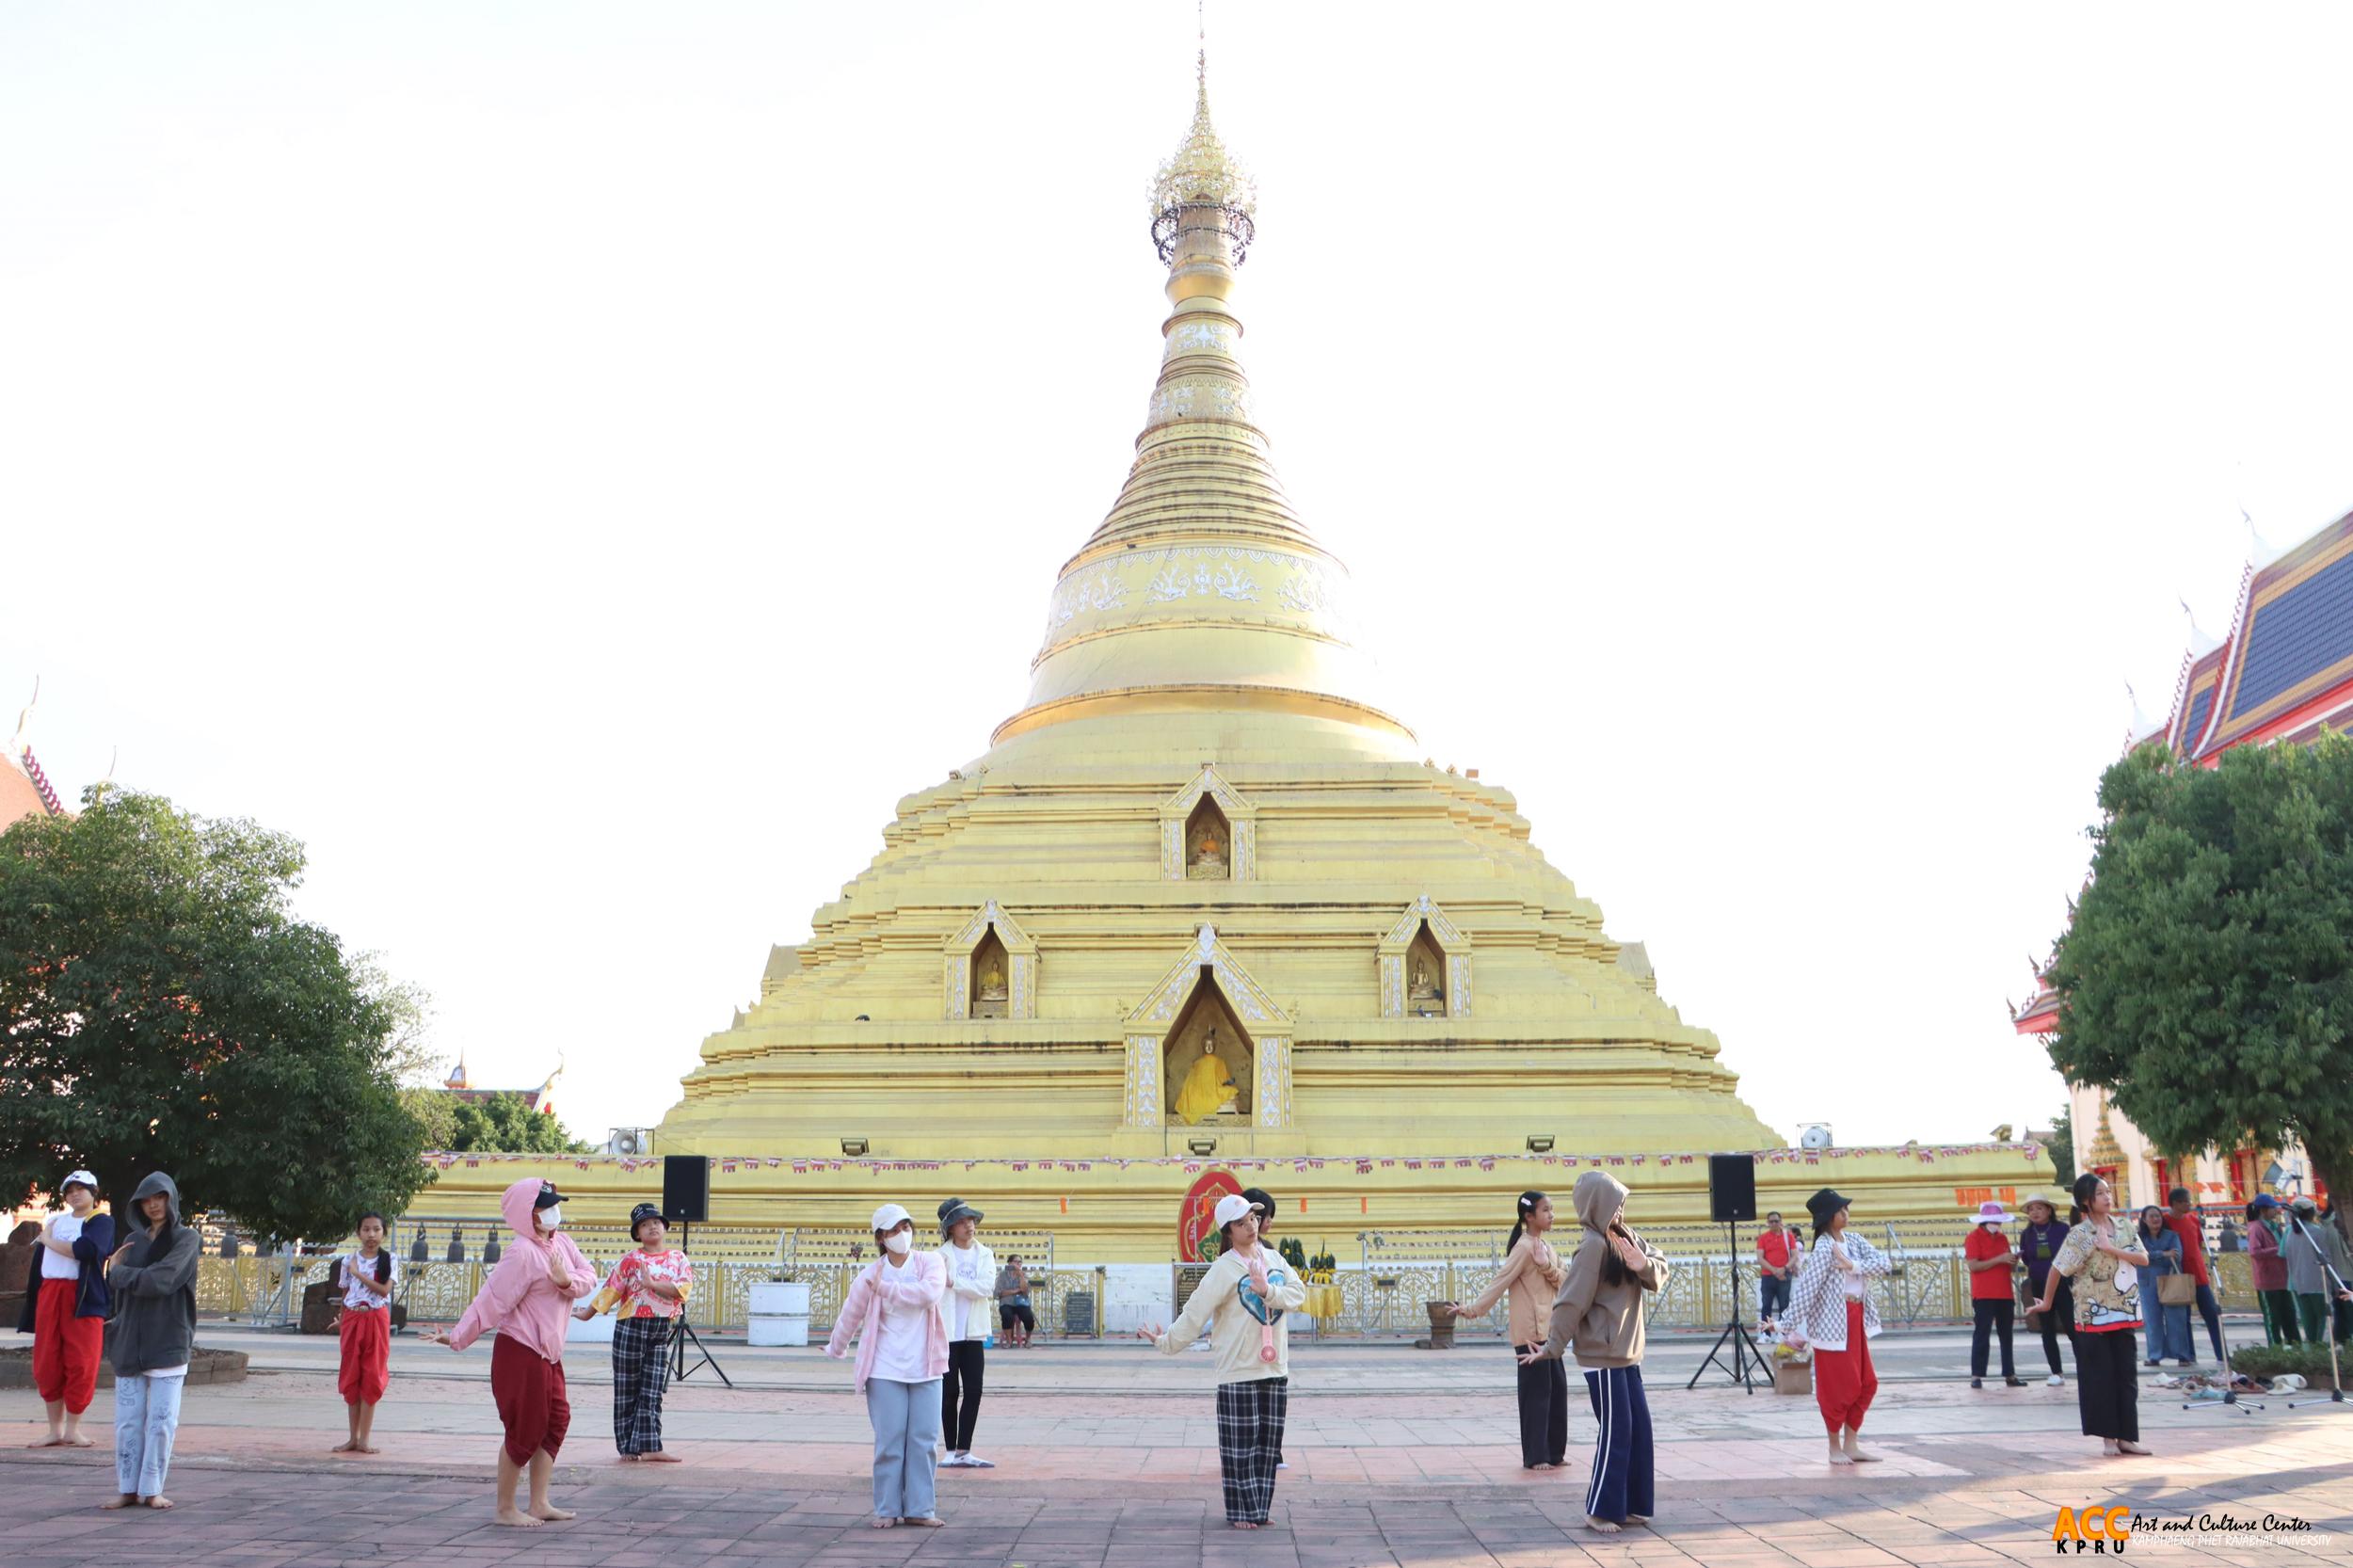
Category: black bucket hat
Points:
column 639, row 1215
column 1826, row 1202
column 954, row 1210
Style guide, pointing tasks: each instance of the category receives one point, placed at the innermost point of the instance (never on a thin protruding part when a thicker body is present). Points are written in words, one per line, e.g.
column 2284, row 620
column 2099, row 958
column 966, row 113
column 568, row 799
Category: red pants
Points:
column 367, row 1350
column 531, row 1402
column 65, row 1347
column 1843, row 1379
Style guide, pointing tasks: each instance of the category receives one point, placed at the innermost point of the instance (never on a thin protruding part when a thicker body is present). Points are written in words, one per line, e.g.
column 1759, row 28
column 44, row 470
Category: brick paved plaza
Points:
column 1107, row 1461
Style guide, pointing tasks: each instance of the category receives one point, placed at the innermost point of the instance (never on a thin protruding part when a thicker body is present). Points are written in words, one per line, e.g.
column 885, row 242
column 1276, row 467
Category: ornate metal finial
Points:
column 1203, row 174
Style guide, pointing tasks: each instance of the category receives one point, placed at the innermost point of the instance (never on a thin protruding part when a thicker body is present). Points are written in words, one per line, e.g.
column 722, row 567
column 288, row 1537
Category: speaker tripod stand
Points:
column 682, row 1330
column 1736, row 1332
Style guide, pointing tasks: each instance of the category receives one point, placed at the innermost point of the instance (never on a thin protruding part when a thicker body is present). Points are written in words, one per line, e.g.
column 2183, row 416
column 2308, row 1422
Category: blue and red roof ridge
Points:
column 2289, row 658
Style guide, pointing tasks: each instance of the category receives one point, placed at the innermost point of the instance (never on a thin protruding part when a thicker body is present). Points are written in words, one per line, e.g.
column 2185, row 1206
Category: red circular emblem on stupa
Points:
column 1197, row 1222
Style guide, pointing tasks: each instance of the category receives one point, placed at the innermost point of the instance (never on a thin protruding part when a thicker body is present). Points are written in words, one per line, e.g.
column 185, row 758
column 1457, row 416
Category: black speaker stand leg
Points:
column 682, row 1330
column 1736, row 1332
column 679, row 1370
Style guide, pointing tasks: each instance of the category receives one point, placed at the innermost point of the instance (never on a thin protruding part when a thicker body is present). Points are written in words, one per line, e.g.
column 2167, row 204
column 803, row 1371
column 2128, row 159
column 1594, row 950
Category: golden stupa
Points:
column 1203, row 903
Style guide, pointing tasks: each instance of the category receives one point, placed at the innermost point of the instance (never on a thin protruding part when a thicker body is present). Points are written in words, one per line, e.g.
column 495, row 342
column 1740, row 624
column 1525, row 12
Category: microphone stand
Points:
column 2336, row 1373
column 2230, row 1376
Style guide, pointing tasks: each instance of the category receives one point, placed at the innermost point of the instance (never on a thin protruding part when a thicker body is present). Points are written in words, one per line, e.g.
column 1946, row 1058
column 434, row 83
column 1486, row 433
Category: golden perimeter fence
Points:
column 1383, row 1290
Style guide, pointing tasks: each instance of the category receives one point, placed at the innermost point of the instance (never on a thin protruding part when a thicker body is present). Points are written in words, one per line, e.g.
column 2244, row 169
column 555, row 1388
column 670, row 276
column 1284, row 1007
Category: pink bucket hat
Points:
column 1992, row 1214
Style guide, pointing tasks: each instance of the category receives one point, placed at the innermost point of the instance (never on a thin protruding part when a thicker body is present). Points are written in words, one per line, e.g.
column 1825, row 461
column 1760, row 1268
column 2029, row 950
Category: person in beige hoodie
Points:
column 1242, row 1304
column 1598, row 1313
column 1532, row 1274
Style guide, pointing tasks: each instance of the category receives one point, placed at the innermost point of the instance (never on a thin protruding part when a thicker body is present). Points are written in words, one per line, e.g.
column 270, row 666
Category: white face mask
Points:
column 898, row 1241
column 552, row 1217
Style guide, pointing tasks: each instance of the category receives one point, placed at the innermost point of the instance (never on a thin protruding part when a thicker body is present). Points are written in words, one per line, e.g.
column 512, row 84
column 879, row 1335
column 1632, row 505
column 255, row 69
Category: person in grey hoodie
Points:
column 1598, row 1314
column 152, row 1278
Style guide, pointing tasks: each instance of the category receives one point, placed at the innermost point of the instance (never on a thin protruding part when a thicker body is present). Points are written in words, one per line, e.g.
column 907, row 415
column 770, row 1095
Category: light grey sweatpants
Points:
column 906, row 1430
column 146, row 1418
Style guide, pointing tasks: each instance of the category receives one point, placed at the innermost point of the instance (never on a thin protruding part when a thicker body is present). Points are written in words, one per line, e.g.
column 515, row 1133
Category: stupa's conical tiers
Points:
column 1203, row 887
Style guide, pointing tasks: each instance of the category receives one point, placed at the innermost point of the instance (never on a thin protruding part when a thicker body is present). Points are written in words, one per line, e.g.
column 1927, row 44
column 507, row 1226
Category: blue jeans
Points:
column 1772, row 1297
column 2212, row 1311
column 147, row 1416
column 906, row 1430
column 2168, row 1333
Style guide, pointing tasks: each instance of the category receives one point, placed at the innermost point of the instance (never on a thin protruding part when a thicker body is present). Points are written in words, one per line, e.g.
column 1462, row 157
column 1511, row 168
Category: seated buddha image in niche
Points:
column 989, row 991
column 1208, row 1088
column 1425, row 987
column 1208, row 846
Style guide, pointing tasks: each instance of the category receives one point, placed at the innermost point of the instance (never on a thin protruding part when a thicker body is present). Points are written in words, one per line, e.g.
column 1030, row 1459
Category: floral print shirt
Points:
column 625, row 1286
column 2107, row 1289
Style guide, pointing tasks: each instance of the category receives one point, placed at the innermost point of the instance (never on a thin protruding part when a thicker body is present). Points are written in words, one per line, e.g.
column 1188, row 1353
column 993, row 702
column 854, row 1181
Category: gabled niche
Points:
column 1169, row 1029
column 1208, row 833
column 1424, row 964
column 989, row 969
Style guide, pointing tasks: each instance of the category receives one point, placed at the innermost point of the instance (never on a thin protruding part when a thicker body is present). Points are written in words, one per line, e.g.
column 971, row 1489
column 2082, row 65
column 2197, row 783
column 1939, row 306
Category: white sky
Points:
column 577, row 466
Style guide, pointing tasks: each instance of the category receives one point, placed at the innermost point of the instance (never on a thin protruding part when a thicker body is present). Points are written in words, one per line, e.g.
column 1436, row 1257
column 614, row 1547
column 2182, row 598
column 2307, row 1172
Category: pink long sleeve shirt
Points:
column 920, row 1282
column 519, row 1299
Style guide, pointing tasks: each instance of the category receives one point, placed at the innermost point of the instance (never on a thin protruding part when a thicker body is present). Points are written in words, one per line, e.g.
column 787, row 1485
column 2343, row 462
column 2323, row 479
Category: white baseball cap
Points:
column 1232, row 1206
column 890, row 1217
column 82, row 1176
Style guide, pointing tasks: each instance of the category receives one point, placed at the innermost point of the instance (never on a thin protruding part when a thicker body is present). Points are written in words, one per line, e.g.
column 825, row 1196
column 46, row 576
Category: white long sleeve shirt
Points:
column 971, row 1304
column 1230, row 1307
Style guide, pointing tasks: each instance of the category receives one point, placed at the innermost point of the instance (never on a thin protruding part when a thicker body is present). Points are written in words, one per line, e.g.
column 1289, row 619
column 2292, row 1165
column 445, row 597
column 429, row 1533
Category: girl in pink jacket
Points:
column 528, row 1299
column 894, row 1312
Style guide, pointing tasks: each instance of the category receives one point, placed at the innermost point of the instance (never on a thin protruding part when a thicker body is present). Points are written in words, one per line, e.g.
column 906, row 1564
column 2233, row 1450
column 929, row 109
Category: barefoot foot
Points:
column 1606, row 1527
column 367, row 1449
column 2130, row 1449
column 128, row 1499
column 928, row 1522
column 515, row 1519
column 75, row 1440
column 659, row 1457
column 345, row 1446
column 882, row 1524
column 157, row 1501
column 551, row 1514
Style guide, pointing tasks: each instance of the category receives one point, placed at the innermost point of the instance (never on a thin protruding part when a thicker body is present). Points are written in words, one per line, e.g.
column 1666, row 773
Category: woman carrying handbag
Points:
column 2169, row 1327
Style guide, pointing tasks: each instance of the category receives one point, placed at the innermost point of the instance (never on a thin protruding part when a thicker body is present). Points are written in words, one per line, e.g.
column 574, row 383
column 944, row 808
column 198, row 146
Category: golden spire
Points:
column 1202, row 172
column 1201, row 589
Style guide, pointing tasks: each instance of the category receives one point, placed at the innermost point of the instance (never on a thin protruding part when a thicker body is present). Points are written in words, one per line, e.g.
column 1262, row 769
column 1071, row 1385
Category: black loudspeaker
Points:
column 1731, row 1188
column 685, row 1188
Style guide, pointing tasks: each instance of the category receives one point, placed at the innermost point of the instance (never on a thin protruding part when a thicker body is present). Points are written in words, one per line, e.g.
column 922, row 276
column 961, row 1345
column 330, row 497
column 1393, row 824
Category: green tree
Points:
column 2208, row 978
column 2061, row 1146
column 160, row 1007
column 508, row 1124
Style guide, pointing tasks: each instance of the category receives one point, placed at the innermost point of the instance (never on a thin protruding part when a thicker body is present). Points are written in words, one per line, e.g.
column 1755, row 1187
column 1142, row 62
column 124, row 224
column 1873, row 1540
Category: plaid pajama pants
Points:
column 1250, row 1443
column 641, row 1374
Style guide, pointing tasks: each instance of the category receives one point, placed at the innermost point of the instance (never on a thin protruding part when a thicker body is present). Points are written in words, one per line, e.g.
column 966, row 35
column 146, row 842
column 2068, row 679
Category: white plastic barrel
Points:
column 595, row 1331
column 779, row 1314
